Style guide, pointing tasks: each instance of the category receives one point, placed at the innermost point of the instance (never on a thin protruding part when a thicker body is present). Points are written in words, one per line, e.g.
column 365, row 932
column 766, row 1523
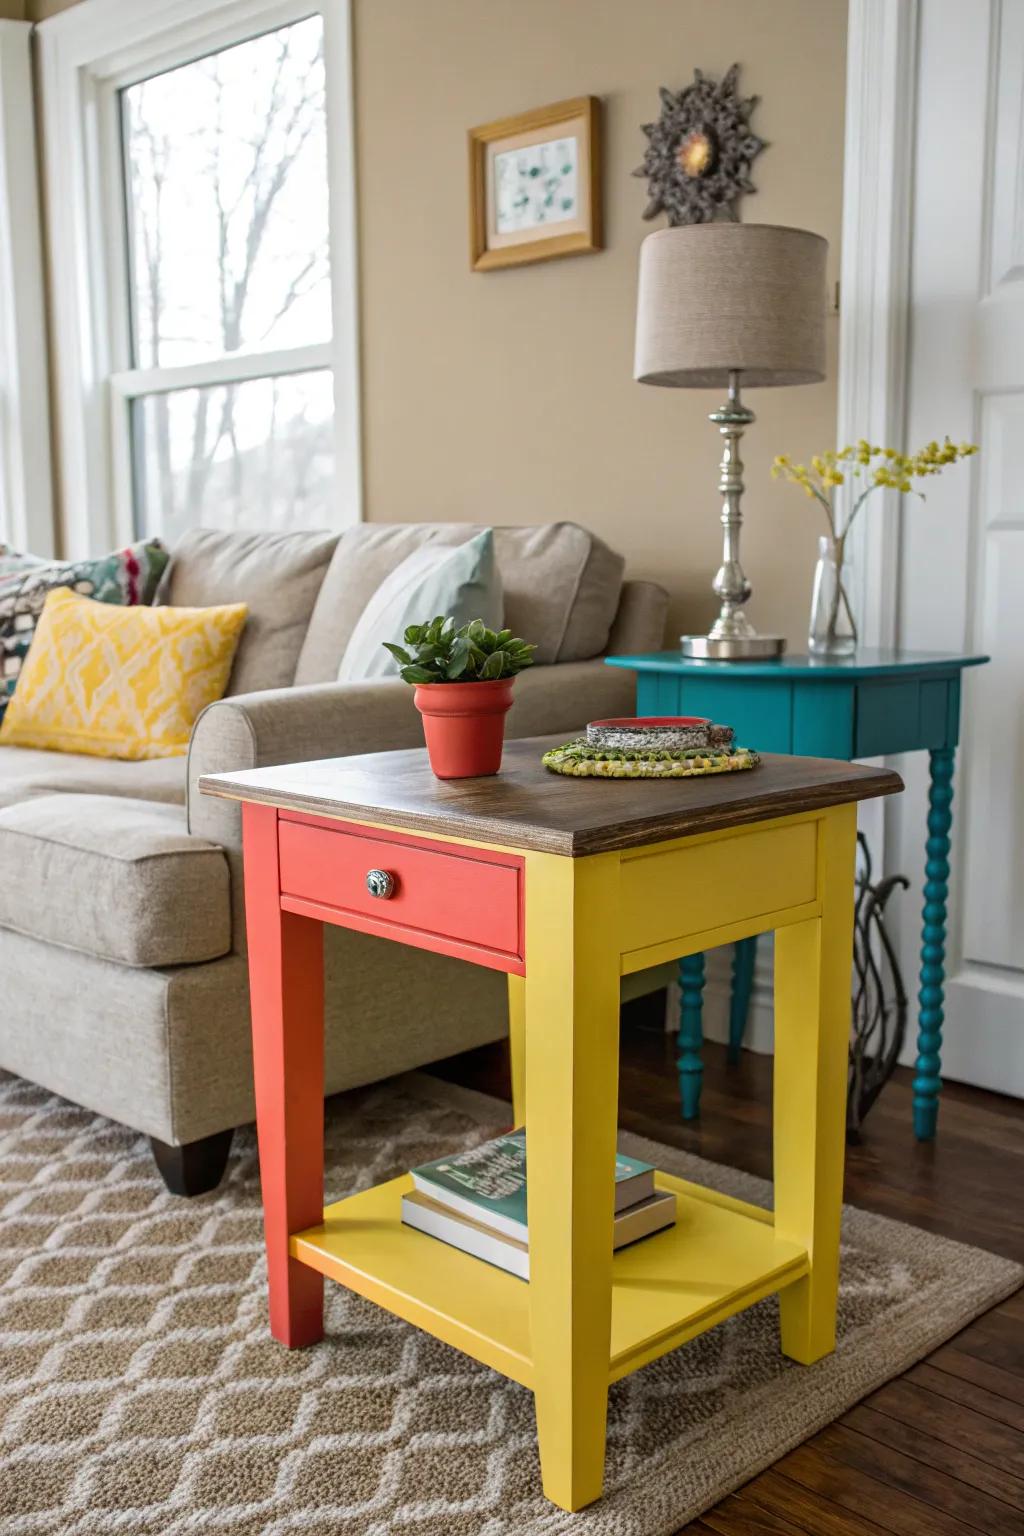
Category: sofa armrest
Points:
column 291, row 725
column 640, row 622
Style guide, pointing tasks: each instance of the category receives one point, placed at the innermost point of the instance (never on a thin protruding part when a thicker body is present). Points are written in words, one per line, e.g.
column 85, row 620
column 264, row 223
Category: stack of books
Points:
column 476, row 1201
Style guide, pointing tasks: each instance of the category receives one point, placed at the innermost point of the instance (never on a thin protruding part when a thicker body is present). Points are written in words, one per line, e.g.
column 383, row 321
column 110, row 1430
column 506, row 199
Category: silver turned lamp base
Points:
column 732, row 637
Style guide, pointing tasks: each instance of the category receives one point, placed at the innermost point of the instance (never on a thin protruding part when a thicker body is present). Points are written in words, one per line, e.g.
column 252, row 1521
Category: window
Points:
column 226, row 196
column 215, row 224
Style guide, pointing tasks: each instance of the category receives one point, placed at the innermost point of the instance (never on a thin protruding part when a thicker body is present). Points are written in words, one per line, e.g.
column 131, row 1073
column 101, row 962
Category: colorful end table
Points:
column 565, row 886
column 872, row 704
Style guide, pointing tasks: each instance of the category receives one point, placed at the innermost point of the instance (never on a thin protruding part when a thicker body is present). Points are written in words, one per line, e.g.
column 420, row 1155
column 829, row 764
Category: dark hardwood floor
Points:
column 939, row 1451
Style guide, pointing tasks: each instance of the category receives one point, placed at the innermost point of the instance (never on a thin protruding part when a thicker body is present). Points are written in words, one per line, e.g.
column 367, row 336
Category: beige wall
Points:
column 32, row 10
column 507, row 396
column 39, row 10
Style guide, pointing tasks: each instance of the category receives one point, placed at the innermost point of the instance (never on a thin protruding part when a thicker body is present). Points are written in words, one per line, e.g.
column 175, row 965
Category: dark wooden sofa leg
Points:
column 195, row 1168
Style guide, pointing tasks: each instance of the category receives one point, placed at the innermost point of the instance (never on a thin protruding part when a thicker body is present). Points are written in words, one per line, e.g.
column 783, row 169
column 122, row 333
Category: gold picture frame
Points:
column 535, row 185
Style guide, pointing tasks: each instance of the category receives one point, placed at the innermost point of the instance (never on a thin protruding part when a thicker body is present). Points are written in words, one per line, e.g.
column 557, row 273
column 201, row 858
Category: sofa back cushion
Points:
column 460, row 580
column 277, row 576
column 561, row 587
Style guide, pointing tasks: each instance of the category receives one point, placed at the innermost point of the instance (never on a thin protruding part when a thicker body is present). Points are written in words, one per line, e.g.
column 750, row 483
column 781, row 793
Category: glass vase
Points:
column 832, row 630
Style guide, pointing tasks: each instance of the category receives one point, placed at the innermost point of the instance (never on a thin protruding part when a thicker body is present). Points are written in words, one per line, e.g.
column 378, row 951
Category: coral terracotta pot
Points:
column 464, row 725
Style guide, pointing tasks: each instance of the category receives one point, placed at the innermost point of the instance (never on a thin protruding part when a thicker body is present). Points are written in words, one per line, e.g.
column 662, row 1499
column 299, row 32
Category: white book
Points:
column 654, row 1214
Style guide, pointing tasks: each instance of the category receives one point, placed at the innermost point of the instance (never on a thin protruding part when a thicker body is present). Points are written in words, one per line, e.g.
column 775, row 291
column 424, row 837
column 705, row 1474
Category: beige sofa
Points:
column 122, row 936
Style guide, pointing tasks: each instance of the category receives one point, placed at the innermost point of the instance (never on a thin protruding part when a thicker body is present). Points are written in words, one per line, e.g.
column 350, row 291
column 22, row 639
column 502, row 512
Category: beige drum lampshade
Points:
column 719, row 297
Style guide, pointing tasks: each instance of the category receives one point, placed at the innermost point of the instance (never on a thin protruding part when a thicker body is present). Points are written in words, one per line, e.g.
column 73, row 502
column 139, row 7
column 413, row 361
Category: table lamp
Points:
column 731, row 305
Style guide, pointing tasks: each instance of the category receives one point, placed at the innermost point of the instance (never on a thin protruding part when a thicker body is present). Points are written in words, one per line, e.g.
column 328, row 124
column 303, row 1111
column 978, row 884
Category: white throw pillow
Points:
column 460, row 580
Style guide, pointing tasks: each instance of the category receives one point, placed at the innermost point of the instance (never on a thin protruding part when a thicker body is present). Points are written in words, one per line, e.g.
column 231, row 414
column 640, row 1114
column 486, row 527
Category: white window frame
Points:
column 87, row 55
column 26, row 497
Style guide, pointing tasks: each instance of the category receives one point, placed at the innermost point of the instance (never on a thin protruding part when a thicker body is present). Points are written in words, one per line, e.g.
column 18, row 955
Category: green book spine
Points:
column 490, row 1180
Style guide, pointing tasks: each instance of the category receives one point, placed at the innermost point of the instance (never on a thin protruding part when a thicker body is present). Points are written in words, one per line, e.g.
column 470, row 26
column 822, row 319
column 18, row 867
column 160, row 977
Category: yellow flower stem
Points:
column 861, row 499
column 819, row 496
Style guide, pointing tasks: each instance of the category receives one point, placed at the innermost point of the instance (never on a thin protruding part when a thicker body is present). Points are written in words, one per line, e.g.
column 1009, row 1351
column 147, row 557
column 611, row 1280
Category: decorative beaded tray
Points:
column 670, row 733
column 581, row 761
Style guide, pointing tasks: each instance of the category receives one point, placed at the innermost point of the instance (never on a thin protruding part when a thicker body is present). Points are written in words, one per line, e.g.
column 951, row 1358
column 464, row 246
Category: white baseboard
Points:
column 989, row 1050
column 989, row 1055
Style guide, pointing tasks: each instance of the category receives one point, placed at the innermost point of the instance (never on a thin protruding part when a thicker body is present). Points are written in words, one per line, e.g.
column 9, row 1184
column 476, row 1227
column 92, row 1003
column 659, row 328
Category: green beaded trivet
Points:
column 579, row 761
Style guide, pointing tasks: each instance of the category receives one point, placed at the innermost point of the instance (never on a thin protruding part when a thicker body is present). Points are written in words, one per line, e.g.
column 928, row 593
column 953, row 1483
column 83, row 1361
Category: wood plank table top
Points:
column 529, row 808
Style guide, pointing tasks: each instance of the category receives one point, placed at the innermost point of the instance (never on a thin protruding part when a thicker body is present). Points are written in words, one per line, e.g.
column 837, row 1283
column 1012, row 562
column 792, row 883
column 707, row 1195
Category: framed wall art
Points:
column 535, row 185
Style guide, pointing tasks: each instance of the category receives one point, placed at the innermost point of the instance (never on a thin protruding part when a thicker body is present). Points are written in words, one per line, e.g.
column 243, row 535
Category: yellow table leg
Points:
column 517, row 1046
column 813, row 962
column 572, row 1069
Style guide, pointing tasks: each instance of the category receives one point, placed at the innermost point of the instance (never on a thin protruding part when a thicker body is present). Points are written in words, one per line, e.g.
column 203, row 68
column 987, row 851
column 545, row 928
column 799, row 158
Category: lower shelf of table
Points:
column 721, row 1256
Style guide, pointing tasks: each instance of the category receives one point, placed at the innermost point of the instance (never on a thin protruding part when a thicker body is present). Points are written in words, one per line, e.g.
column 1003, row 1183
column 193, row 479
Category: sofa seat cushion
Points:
column 26, row 773
column 113, row 877
column 561, row 587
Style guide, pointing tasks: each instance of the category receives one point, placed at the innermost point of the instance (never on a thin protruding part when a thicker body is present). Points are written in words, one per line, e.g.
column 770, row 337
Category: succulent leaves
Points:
column 439, row 653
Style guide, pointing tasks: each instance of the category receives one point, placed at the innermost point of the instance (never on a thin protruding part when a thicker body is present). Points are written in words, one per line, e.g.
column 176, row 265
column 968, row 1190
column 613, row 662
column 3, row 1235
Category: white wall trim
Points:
column 343, row 233
column 84, row 52
column 989, row 1054
column 874, row 305
column 236, row 368
column 26, row 491
column 878, row 172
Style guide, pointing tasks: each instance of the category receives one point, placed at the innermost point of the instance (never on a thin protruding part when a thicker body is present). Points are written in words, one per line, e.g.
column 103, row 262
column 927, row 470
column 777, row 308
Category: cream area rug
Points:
column 140, row 1392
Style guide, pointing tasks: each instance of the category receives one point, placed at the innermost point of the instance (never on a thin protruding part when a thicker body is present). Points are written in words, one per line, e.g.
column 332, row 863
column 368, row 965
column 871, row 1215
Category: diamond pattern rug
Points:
column 140, row 1392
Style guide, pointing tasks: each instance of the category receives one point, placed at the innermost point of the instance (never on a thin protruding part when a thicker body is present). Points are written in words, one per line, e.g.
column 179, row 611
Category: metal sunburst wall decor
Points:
column 697, row 162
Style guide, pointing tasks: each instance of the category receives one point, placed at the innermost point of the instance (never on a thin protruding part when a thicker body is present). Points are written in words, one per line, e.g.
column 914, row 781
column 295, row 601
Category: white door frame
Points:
column 874, row 308
column 874, row 287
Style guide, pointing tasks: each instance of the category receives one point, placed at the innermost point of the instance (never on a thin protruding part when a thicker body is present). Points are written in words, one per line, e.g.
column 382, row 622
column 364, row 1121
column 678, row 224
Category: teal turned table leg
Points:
column 744, row 954
column 927, row 1079
column 691, row 1033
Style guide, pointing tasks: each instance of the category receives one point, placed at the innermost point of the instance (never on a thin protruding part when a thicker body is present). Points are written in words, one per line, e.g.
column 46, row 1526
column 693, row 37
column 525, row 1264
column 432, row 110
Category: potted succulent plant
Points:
column 463, row 680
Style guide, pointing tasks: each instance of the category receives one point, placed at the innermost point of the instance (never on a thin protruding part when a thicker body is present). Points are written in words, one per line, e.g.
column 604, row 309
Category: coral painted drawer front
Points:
column 467, row 904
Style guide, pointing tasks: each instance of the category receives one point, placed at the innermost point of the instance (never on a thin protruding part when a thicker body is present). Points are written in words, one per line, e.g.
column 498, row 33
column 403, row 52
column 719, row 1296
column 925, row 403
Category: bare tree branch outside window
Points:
column 227, row 200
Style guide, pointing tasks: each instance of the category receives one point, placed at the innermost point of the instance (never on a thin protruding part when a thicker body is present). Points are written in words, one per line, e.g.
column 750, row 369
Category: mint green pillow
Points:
column 461, row 581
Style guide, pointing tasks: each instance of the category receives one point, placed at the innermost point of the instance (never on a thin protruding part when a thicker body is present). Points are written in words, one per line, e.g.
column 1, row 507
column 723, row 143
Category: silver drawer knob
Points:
column 380, row 883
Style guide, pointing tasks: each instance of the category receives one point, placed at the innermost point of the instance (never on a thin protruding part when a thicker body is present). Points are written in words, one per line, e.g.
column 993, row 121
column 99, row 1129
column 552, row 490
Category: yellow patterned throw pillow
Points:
column 120, row 682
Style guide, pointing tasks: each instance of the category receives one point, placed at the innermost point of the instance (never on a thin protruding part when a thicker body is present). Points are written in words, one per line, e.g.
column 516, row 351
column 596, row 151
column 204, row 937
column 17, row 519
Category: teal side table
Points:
column 872, row 704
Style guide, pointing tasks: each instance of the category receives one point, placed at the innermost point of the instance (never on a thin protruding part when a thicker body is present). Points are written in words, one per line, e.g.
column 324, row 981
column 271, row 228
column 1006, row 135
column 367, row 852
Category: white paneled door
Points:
column 962, row 556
